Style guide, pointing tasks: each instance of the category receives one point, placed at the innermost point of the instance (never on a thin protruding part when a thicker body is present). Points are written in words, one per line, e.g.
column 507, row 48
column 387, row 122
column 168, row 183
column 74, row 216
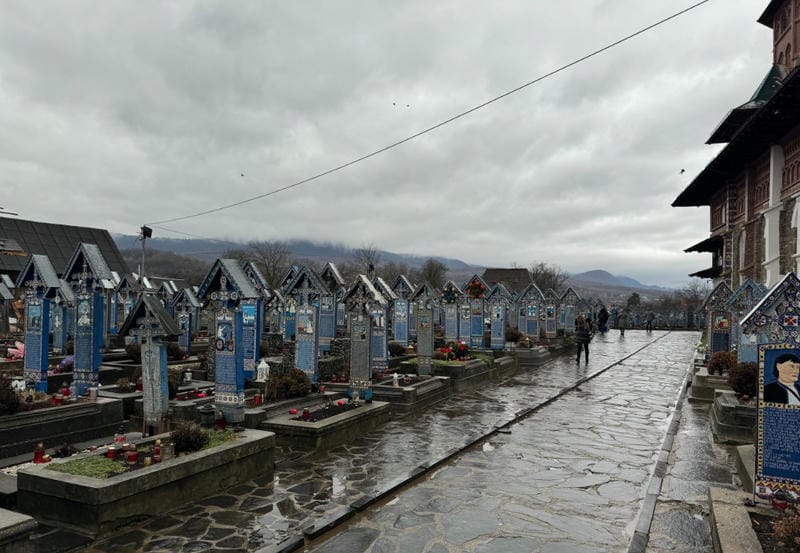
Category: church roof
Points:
column 20, row 238
column 768, row 125
column 514, row 279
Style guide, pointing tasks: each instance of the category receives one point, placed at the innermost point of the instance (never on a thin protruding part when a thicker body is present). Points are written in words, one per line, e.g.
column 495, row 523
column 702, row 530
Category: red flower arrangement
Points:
column 476, row 289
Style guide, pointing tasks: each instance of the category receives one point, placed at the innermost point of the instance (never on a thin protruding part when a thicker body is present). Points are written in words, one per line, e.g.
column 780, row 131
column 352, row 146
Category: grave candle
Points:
column 112, row 452
column 38, row 453
column 306, row 414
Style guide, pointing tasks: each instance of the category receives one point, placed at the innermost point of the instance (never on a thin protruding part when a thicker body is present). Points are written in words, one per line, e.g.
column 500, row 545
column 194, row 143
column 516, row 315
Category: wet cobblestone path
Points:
column 568, row 477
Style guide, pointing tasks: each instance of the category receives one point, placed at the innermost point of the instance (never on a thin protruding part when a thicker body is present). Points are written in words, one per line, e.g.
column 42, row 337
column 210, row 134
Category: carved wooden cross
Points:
column 34, row 284
column 304, row 292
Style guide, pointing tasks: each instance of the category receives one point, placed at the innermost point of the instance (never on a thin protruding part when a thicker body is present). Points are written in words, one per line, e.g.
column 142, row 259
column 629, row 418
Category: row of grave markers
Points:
column 763, row 326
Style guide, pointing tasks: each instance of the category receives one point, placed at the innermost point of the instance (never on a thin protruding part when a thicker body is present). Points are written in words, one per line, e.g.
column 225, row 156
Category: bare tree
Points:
column 367, row 258
column 695, row 292
column 239, row 254
column 391, row 270
column 274, row 257
column 433, row 272
column 547, row 275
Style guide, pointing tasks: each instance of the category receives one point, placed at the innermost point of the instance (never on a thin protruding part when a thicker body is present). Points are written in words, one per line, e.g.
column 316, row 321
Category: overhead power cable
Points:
column 440, row 124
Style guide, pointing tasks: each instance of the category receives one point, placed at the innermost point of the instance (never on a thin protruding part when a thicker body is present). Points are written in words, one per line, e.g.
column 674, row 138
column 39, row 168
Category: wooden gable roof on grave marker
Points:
column 532, row 291
column 332, row 277
column 40, row 265
column 128, row 283
column 363, row 285
column 451, row 292
column 774, row 315
column 95, row 262
column 499, row 290
column 277, row 299
column 5, row 293
column 256, row 278
column 66, row 293
column 425, row 290
column 746, row 296
column 148, row 303
column 384, row 289
column 288, row 277
column 305, row 274
column 188, row 297
column 402, row 285
column 570, row 297
column 552, row 296
column 718, row 297
column 5, row 279
column 237, row 280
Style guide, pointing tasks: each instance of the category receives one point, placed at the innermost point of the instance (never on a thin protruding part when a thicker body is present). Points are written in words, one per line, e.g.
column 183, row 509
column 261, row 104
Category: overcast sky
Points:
column 118, row 114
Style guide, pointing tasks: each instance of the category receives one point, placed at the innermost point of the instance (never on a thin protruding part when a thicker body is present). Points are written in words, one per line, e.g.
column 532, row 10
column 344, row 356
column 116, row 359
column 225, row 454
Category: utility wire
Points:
column 438, row 125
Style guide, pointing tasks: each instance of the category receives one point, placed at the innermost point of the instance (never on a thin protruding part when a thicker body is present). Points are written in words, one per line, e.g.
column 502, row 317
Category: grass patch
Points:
column 95, row 466
column 100, row 466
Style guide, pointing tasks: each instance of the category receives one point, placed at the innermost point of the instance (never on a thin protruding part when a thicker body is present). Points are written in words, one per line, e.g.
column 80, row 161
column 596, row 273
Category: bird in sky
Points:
column 683, row 171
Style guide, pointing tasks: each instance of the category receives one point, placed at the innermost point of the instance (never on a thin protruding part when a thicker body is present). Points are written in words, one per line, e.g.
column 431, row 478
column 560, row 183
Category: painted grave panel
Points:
column 185, row 324
column 306, row 347
column 498, row 326
column 379, row 344
column 550, row 321
column 88, row 340
column 289, row 320
column 401, row 321
column 229, row 374
column 359, row 349
column 464, row 323
column 250, row 333
column 327, row 322
column 155, row 393
column 58, row 327
column 37, row 337
column 451, row 322
column 424, row 340
column 777, row 446
column 532, row 320
column 476, row 323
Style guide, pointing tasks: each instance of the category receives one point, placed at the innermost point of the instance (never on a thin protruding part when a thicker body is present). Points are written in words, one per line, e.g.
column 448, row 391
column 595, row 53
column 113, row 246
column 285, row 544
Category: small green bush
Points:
column 743, row 379
column 396, row 349
column 513, row 335
column 295, row 383
column 721, row 361
column 9, row 400
column 787, row 529
column 189, row 437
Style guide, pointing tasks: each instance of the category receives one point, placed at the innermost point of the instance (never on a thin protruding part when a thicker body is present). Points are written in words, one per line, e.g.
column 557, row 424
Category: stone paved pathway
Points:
column 567, row 478
column 681, row 520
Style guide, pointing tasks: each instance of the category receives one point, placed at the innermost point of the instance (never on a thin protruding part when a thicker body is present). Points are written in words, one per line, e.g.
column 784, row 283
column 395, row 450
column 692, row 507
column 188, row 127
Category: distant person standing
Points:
column 602, row 320
column 583, row 335
column 649, row 324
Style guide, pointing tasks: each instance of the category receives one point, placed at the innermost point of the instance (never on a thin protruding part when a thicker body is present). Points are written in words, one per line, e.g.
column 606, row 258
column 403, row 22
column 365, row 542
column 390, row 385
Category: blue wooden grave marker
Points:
column 306, row 289
column 451, row 300
column 424, row 298
column 227, row 287
column 739, row 305
column 39, row 279
column 365, row 307
column 529, row 303
column 476, row 289
column 569, row 305
column 401, row 316
column 499, row 300
column 88, row 273
column 718, row 318
column 551, row 303
column 775, row 320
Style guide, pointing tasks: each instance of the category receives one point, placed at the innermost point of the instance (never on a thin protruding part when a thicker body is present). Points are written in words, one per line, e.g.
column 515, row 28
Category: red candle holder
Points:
column 306, row 414
column 257, row 399
column 131, row 456
column 112, row 452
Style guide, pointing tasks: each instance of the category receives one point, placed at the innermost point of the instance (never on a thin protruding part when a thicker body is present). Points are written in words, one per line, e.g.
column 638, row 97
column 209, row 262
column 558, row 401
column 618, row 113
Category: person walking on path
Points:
column 623, row 321
column 583, row 335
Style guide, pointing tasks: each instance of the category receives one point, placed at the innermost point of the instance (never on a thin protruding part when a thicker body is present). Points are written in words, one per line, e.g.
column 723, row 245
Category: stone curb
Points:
column 731, row 528
column 641, row 534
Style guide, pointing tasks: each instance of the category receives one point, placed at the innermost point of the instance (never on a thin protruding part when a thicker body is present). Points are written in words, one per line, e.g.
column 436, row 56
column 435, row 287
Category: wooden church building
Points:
column 752, row 186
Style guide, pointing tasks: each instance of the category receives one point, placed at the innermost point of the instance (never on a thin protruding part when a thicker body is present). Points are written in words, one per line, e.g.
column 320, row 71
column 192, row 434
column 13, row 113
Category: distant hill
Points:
column 210, row 250
column 599, row 283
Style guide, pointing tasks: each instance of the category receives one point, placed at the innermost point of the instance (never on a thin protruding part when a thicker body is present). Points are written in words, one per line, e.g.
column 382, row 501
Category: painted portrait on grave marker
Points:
column 34, row 316
column 248, row 314
column 224, row 339
column 777, row 446
column 83, row 312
